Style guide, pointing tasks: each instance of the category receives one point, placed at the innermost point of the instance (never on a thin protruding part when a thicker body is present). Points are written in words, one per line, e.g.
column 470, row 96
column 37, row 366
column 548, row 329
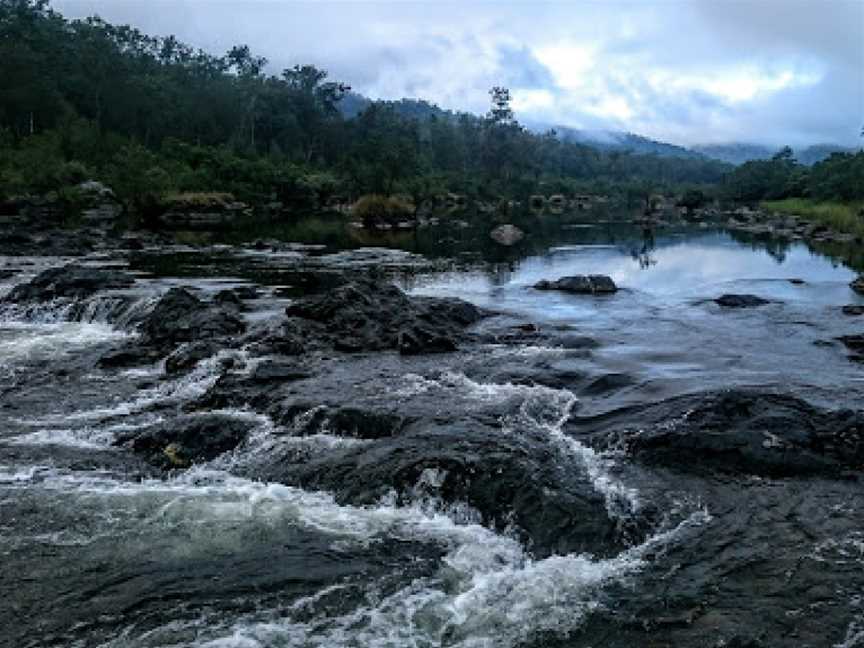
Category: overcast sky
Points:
column 697, row 71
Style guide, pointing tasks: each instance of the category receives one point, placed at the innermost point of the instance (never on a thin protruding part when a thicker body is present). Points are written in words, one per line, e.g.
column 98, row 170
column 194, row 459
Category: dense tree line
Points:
column 88, row 99
column 840, row 177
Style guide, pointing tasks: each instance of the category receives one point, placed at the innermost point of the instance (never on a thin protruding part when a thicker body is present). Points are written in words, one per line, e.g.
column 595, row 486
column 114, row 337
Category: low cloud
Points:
column 759, row 70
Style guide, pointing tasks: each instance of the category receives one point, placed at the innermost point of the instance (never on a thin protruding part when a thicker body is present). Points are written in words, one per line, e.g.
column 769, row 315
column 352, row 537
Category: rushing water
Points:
column 97, row 549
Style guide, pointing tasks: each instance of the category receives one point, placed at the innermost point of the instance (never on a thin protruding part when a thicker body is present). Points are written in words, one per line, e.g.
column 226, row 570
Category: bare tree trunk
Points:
column 32, row 123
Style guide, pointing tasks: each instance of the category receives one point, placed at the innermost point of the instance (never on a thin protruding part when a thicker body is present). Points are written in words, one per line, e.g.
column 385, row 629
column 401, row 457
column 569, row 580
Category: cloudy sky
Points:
column 683, row 71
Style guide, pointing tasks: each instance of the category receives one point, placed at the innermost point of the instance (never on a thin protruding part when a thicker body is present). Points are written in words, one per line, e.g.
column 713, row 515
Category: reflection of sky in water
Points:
column 661, row 328
column 703, row 267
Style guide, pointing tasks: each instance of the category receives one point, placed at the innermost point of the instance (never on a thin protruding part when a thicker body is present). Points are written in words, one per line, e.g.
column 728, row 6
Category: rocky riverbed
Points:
column 282, row 445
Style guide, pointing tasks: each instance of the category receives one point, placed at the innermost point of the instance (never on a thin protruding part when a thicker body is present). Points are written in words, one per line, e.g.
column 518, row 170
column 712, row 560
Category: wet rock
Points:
column 580, row 285
column 130, row 355
column 736, row 431
column 277, row 371
column 417, row 340
column 307, row 419
column 7, row 274
column 187, row 440
column 280, row 338
column 229, row 299
column 740, row 301
column 855, row 344
column 510, row 479
column 69, row 282
column 369, row 315
column 181, row 317
column 608, row 383
column 858, row 285
column 189, row 355
column 507, row 235
column 853, row 310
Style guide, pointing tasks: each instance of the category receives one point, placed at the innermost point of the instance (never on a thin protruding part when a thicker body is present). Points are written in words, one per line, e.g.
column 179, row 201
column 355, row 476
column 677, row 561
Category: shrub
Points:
column 376, row 209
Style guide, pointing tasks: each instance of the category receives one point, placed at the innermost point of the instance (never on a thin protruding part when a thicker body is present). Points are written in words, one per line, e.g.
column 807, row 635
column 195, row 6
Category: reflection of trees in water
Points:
column 848, row 254
column 642, row 253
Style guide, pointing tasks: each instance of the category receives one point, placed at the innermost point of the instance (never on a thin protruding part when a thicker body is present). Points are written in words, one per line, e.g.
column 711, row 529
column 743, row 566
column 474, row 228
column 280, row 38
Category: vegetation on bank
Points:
column 839, row 179
column 150, row 116
column 842, row 217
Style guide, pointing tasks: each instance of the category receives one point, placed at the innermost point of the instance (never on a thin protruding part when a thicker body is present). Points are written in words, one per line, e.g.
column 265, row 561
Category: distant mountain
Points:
column 739, row 153
column 818, row 152
column 609, row 140
column 735, row 153
column 623, row 141
column 353, row 104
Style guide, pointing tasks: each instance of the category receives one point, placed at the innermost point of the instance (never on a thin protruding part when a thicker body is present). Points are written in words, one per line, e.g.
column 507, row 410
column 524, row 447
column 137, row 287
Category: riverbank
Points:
column 847, row 218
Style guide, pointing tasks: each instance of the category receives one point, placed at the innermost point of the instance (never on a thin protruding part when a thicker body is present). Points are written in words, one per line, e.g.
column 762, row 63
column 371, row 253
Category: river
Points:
column 522, row 525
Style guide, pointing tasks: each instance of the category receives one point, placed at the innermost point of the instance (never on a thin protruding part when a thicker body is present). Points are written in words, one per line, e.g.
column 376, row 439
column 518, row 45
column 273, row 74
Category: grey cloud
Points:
column 451, row 53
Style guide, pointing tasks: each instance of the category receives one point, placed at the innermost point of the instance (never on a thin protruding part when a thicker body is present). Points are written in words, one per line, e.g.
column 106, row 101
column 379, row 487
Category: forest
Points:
column 85, row 99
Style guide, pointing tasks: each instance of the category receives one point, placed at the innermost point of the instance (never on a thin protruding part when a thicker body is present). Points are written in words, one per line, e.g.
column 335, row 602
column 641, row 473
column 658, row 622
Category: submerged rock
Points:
column 368, row 315
column 69, row 282
column 736, row 431
column 740, row 301
column 580, row 285
column 507, row 235
column 853, row 310
column 187, row 440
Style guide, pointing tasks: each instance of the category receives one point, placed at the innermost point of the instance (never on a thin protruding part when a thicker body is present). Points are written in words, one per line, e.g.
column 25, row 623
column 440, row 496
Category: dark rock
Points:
column 282, row 338
column 853, row 342
column 276, row 371
column 345, row 421
column 740, row 301
column 853, row 310
column 189, row 355
column 69, row 282
column 7, row 274
column 858, row 285
column 608, row 383
column 797, row 282
column 510, row 479
column 417, row 340
column 130, row 355
column 368, row 315
column 181, row 442
column 736, row 431
column 580, row 285
column 229, row 299
column 246, row 292
column 181, row 317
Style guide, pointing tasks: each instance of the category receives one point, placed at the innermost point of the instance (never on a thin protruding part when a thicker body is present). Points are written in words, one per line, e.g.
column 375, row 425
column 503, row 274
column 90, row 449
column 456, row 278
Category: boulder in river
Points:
column 179, row 318
column 853, row 310
column 580, row 285
column 512, row 480
column 371, row 315
column 858, row 285
column 186, row 440
column 740, row 301
column 736, row 431
column 507, row 235
column 69, row 282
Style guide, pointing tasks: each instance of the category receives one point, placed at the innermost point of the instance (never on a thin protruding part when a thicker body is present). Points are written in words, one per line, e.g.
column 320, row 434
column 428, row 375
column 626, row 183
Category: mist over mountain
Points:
column 608, row 140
